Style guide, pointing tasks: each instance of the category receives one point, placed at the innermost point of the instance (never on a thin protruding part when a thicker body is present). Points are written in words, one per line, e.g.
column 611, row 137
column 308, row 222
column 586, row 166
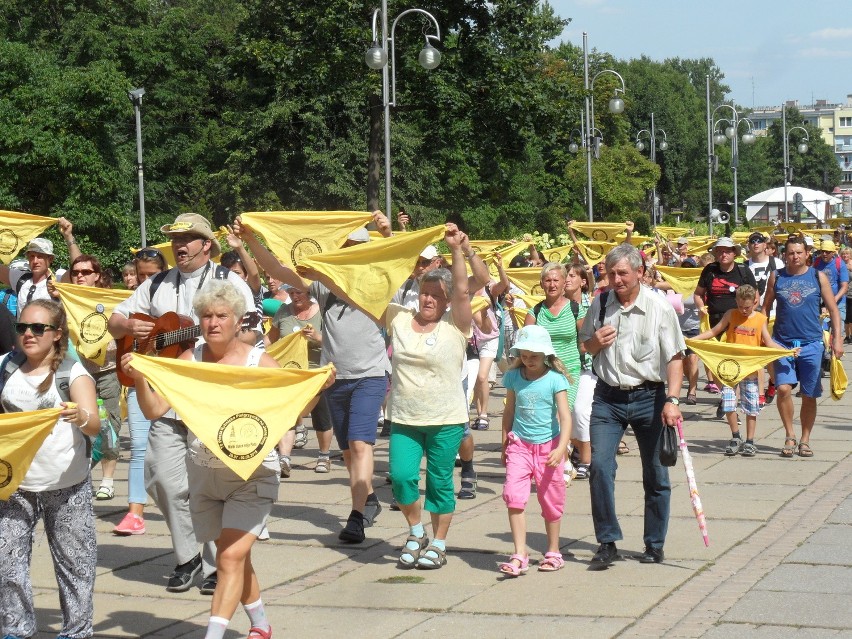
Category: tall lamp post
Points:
column 136, row 98
column 377, row 58
column 616, row 105
column 730, row 133
column 663, row 146
column 788, row 170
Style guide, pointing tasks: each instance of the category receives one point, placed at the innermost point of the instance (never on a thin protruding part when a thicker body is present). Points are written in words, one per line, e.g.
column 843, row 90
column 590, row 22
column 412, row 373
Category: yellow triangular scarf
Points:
column 371, row 273
column 682, row 280
column 291, row 351
column 671, row 232
column 730, row 363
column 244, row 412
column 594, row 252
column 526, row 279
column 520, row 315
column 599, row 231
column 487, row 246
column 88, row 310
column 839, row 381
column 294, row 235
column 530, row 300
column 507, row 253
column 21, row 435
column 557, row 253
column 16, row 231
column 478, row 302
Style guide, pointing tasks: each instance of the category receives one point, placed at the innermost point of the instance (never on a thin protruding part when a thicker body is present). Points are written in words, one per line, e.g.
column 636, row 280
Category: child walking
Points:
column 536, row 432
column 746, row 326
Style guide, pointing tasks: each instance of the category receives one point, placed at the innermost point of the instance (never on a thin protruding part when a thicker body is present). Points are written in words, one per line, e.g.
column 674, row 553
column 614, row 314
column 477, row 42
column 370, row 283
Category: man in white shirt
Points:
column 193, row 244
column 638, row 357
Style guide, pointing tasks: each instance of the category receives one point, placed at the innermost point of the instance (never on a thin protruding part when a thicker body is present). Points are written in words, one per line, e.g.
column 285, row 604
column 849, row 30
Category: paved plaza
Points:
column 779, row 562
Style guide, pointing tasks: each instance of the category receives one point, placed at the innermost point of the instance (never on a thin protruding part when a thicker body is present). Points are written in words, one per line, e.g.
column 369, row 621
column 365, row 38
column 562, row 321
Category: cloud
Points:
column 824, row 52
column 832, row 33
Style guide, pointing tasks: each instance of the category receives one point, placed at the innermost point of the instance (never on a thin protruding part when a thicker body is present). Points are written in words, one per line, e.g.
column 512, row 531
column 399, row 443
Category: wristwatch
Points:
column 673, row 400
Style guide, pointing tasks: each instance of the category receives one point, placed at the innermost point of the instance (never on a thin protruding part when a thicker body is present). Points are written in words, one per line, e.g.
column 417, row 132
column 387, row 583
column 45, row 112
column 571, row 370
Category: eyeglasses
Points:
column 35, row 328
column 147, row 252
column 85, row 272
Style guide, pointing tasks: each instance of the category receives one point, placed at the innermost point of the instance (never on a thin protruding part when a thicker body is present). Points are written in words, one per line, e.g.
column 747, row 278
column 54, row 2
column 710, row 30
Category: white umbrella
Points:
column 773, row 201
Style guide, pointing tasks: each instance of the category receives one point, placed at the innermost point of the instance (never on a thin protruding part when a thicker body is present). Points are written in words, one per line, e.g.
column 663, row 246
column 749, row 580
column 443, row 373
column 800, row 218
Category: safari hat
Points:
column 726, row 242
column 193, row 224
column 533, row 338
column 40, row 245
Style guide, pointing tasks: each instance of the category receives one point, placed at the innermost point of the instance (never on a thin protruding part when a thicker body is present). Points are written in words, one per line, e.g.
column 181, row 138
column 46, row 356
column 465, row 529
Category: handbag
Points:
column 668, row 446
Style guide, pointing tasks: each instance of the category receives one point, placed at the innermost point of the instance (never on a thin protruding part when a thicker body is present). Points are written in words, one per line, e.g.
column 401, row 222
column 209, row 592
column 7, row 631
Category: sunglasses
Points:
column 423, row 262
column 756, row 241
column 147, row 252
column 36, row 328
column 82, row 271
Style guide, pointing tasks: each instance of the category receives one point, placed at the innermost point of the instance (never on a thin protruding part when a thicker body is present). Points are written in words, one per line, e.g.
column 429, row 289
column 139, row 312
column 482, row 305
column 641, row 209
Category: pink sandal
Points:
column 511, row 570
column 552, row 562
column 259, row 633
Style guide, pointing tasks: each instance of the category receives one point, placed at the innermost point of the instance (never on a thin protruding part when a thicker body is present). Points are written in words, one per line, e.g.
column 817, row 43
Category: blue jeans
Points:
column 612, row 411
column 139, row 427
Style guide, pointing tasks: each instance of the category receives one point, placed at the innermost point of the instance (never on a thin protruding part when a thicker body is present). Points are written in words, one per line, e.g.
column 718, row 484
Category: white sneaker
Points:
column 570, row 473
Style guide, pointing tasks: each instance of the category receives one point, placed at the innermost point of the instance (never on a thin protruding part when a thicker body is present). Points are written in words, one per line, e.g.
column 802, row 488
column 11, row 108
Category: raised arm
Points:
column 250, row 266
column 264, row 256
column 480, row 275
column 460, row 302
column 503, row 285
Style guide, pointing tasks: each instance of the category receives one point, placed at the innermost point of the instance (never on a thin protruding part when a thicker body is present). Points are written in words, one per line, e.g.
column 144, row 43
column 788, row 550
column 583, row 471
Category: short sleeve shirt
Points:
column 536, row 418
column 836, row 276
column 29, row 291
column 721, row 288
column 287, row 323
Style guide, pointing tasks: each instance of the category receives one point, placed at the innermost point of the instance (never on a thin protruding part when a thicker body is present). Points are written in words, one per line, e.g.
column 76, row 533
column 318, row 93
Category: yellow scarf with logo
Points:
column 291, row 351
column 682, row 280
column 599, row 231
column 16, row 231
column 244, row 412
column 21, row 435
column 594, row 252
column 295, row 235
column 731, row 363
column 526, row 279
column 88, row 309
column 370, row 273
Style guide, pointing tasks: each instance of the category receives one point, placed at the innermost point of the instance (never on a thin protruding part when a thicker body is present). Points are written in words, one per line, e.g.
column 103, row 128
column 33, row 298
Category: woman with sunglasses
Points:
column 86, row 270
column 147, row 263
column 57, row 486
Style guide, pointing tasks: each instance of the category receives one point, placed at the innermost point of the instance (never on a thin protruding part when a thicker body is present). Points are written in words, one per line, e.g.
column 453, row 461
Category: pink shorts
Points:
column 526, row 463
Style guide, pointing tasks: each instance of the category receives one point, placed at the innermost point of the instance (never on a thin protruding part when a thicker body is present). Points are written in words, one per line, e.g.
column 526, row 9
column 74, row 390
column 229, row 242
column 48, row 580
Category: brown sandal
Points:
column 805, row 450
column 788, row 451
column 622, row 448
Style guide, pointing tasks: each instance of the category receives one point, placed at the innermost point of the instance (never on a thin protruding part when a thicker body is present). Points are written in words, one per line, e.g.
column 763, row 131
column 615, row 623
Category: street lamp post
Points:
column 788, row 170
column 377, row 58
column 136, row 98
column 616, row 105
column 730, row 133
column 663, row 145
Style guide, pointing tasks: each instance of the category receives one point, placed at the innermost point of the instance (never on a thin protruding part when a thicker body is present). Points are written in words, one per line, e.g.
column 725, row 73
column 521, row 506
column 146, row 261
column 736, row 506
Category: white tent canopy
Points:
column 769, row 205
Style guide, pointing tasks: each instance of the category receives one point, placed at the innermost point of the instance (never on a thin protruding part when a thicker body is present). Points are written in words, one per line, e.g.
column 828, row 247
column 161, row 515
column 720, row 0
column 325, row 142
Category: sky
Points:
column 770, row 52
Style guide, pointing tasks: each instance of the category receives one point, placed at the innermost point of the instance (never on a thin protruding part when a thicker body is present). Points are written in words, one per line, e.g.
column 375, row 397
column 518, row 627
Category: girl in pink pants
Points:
column 536, row 431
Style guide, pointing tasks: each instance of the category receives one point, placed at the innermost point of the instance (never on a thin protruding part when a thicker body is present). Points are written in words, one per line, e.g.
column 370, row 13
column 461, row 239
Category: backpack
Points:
column 25, row 277
column 575, row 310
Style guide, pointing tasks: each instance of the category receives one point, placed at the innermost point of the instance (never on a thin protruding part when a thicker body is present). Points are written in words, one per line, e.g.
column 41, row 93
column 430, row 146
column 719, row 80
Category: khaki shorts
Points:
column 219, row 498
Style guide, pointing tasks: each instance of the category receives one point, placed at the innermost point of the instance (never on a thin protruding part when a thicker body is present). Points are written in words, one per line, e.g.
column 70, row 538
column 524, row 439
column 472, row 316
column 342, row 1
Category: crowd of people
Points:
column 602, row 348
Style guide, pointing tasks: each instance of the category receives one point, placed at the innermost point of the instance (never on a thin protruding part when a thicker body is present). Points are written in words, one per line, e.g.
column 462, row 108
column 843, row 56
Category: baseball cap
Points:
column 429, row 253
column 359, row 235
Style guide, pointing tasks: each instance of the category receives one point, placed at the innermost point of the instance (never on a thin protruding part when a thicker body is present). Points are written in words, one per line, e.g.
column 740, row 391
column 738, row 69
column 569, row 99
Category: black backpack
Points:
column 575, row 309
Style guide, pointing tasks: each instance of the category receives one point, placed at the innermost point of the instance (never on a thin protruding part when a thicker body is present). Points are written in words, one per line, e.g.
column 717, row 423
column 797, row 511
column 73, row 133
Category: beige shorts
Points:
column 219, row 498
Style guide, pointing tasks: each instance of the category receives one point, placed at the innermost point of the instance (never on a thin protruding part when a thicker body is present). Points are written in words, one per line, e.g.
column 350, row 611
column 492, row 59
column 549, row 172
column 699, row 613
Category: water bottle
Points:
column 109, row 441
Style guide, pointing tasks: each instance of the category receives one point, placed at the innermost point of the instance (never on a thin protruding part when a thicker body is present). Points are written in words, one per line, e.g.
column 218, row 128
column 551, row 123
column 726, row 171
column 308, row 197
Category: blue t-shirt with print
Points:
column 536, row 418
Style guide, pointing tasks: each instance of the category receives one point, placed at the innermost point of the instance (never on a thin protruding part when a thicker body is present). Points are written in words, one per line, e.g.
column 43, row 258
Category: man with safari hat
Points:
column 193, row 245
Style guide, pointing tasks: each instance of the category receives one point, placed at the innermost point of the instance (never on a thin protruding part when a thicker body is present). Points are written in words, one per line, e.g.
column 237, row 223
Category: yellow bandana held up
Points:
column 599, row 231
column 245, row 411
column 507, row 253
column 88, row 310
column 730, row 363
column 478, row 303
column 526, row 279
column 21, row 435
column 682, row 280
column 486, row 246
column 291, row 351
column 557, row 253
column 520, row 315
column 594, row 252
column 839, row 381
column 16, row 231
column 371, row 273
column 295, row 235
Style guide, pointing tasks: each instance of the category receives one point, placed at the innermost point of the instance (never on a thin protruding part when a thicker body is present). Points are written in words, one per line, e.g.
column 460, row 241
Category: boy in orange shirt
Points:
column 746, row 326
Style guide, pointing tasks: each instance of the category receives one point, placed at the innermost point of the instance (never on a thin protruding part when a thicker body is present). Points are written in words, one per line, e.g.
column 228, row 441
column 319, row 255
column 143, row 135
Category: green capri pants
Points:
column 440, row 445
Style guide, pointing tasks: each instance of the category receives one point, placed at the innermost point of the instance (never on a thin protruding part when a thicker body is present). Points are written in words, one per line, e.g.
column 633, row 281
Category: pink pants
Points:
column 527, row 462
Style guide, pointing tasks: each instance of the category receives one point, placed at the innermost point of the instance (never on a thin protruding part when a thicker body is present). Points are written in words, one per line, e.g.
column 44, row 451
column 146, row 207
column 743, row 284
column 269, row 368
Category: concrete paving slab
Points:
column 797, row 472
column 811, row 610
column 842, row 514
column 806, row 578
column 464, row 626
column 832, row 552
column 739, row 630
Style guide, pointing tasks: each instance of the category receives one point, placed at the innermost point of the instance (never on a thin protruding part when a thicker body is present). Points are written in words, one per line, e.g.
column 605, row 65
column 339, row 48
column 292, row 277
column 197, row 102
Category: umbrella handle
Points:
column 679, row 427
